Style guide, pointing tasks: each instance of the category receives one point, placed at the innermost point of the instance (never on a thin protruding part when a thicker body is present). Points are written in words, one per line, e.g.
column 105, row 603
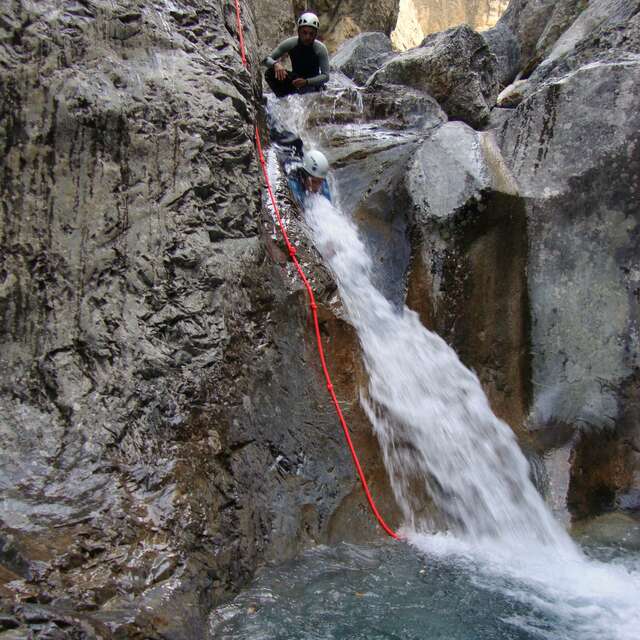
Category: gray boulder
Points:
column 506, row 48
column 469, row 246
column 607, row 30
column 574, row 148
column 403, row 108
column 361, row 56
column 448, row 171
column 456, row 67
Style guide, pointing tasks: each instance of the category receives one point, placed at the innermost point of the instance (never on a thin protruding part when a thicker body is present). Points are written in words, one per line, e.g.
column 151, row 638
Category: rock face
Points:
column 418, row 18
column 538, row 41
column 505, row 47
column 274, row 21
column 455, row 67
column 164, row 426
column 537, row 25
column 573, row 147
column 606, row 30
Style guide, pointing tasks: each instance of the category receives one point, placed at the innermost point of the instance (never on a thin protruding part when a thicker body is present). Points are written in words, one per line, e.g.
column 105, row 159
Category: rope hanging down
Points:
column 314, row 310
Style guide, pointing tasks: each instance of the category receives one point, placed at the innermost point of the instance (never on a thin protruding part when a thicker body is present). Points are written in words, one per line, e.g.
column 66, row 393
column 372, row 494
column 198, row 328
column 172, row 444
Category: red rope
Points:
column 314, row 311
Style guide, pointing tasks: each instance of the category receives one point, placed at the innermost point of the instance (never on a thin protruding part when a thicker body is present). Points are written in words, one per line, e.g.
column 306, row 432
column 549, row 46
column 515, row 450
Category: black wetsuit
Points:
column 310, row 62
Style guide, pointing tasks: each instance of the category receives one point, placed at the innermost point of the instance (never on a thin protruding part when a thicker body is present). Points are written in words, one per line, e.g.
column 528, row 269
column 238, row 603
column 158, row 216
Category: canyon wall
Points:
column 165, row 425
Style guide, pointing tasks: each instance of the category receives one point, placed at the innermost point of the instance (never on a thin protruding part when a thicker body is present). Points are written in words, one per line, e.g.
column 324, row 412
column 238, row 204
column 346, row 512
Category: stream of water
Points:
column 498, row 566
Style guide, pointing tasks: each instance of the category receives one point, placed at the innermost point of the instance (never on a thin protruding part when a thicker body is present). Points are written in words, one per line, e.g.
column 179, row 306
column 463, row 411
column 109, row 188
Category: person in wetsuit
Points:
column 309, row 61
column 306, row 171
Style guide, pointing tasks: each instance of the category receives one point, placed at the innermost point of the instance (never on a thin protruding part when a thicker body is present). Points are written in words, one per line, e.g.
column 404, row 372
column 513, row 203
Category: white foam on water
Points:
column 575, row 597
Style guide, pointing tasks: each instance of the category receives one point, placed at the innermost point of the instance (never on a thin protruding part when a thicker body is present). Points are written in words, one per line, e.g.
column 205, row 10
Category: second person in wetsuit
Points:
column 309, row 61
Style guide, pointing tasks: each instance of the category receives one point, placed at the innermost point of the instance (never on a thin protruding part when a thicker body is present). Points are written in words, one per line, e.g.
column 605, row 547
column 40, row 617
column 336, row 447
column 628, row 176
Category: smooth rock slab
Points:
column 450, row 169
column 469, row 246
column 574, row 147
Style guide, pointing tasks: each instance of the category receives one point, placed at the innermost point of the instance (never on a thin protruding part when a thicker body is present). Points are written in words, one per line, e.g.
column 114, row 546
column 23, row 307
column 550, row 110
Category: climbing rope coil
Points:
column 312, row 304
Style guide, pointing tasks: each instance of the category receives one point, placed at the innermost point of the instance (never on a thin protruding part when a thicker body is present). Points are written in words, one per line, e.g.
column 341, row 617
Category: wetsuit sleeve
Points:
column 323, row 61
column 284, row 47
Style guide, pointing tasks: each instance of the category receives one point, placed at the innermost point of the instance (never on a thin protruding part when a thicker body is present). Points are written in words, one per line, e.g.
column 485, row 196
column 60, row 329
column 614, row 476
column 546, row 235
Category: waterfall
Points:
column 442, row 445
column 441, row 442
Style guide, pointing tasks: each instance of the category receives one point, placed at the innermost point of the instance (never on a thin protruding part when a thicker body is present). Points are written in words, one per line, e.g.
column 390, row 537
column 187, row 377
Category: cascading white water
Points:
column 438, row 434
column 440, row 439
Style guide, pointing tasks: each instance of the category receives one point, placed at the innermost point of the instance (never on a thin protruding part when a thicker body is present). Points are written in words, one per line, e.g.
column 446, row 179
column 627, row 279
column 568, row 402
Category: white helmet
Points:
column 309, row 20
column 315, row 164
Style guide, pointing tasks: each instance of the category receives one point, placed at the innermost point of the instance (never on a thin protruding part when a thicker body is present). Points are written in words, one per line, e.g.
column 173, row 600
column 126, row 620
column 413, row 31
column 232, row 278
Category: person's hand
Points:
column 299, row 82
column 280, row 71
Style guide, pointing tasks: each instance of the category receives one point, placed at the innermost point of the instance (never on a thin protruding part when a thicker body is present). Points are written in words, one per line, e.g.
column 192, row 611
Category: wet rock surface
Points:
column 165, row 427
column 469, row 241
column 613, row 529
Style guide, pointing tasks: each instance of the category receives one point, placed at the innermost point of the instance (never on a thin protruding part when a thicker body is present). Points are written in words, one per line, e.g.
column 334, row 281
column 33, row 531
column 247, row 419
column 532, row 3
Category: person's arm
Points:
column 283, row 48
column 323, row 59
